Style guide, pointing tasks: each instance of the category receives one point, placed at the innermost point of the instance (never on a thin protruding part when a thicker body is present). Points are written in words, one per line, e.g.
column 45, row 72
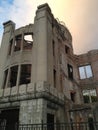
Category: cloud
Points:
column 84, row 17
column 18, row 11
column 80, row 16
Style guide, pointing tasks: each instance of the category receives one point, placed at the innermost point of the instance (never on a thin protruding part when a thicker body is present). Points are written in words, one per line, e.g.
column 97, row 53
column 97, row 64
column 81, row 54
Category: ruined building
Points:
column 41, row 79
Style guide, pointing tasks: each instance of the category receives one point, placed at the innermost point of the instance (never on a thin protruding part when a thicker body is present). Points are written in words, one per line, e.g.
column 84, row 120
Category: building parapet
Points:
column 31, row 91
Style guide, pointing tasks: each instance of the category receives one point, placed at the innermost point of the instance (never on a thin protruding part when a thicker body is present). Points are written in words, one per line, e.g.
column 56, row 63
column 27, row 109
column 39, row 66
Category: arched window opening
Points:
column 13, row 76
column 25, row 75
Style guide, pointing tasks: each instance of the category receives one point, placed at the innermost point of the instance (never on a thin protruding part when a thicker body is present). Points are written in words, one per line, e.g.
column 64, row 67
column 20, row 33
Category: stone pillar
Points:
column 18, row 75
column 8, row 31
column 40, row 44
column 33, row 111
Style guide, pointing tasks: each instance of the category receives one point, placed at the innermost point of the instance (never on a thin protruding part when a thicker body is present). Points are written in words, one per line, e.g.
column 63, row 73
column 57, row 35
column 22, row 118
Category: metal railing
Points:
column 55, row 126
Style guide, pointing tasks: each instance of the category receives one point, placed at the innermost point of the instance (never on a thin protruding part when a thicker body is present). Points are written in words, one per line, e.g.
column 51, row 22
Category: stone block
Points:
column 61, row 96
column 1, row 92
column 40, row 86
column 30, row 87
column 14, row 91
column 55, row 92
column 22, row 89
column 52, row 89
column 47, row 87
column 7, row 92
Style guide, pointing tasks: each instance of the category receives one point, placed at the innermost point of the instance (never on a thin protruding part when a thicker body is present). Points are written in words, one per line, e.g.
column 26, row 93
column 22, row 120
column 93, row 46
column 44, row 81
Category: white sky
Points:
column 80, row 16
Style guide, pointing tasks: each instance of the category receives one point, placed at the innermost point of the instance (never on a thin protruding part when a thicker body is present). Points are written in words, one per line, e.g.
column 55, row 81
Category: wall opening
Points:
column 50, row 121
column 5, row 78
column 9, row 118
column 72, row 95
column 54, row 77
column 67, row 50
column 53, row 47
column 28, row 42
column 85, row 71
column 10, row 47
column 70, row 71
column 90, row 95
column 13, row 75
column 17, row 44
column 25, row 75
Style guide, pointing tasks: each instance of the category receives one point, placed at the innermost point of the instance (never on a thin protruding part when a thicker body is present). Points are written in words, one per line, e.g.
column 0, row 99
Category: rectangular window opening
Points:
column 5, row 78
column 10, row 47
column 28, row 42
column 70, row 71
column 67, row 50
column 90, row 96
column 85, row 72
column 17, row 45
column 53, row 47
column 25, row 76
column 72, row 95
column 54, row 77
column 13, row 76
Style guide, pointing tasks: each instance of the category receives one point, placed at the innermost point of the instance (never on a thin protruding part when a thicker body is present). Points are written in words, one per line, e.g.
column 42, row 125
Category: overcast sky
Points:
column 80, row 16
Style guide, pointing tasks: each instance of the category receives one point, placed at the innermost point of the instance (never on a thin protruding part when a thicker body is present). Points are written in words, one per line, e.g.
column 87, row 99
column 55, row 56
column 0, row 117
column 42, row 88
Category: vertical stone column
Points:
column 40, row 44
column 18, row 75
column 8, row 31
column 33, row 111
column 7, row 80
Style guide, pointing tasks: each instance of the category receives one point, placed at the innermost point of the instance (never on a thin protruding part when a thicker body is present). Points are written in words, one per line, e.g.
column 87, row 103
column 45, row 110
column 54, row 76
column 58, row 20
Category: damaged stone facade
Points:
column 40, row 75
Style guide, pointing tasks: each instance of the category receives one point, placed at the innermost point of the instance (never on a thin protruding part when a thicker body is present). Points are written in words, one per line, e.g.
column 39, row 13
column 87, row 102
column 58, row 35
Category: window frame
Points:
column 89, row 94
column 84, row 73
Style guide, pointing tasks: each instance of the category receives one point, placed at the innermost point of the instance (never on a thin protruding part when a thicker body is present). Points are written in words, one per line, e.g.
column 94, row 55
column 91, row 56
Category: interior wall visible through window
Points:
column 5, row 78
column 12, row 73
column 28, row 42
column 89, row 95
column 17, row 44
column 54, row 77
column 10, row 47
column 25, row 75
column 70, row 71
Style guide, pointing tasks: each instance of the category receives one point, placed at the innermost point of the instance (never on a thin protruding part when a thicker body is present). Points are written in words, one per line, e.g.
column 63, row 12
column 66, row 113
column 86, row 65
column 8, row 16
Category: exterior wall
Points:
column 90, row 58
column 50, row 94
column 33, row 111
column 47, row 92
column 8, row 31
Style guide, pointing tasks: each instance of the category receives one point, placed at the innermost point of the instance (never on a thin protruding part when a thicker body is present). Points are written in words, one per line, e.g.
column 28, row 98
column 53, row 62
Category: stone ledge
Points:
column 7, row 92
column 14, row 91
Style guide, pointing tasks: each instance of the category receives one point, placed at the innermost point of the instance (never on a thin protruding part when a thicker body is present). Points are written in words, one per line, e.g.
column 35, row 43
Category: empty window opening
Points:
column 90, row 96
column 5, row 78
column 53, row 47
column 17, row 45
column 85, row 72
column 61, row 82
column 25, row 76
column 10, row 47
column 54, row 77
column 72, row 95
column 28, row 42
column 13, row 76
column 70, row 71
column 67, row 50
